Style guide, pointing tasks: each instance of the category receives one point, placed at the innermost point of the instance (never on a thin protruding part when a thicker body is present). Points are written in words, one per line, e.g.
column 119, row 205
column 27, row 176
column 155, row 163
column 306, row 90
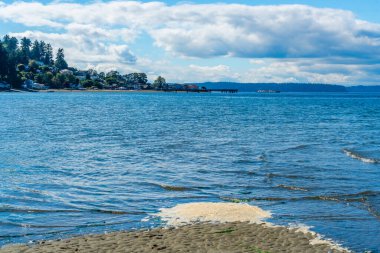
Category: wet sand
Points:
column 197, row 227
column 205, row 237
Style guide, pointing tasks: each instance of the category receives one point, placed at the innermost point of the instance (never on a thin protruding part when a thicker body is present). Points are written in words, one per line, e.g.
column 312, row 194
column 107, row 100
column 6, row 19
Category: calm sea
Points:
column 76, row 163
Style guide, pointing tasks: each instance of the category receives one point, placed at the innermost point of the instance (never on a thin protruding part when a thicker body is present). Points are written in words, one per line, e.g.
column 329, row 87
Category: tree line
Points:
column 26, row 60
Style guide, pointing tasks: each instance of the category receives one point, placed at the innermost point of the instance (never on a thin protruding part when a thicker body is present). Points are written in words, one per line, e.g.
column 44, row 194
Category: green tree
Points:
column 58, row 81
column 60, row 62
column 47, row 78
column 35, row 53
column 33, row 66
column 3, row 62
column 136, row 78
column 25, row 50
column 87, row 83
column 39, row 78
column 113, row 78
column 160, row 83
column 10, row 44
column 42, row 49
column 71, row 79
column 48, row 57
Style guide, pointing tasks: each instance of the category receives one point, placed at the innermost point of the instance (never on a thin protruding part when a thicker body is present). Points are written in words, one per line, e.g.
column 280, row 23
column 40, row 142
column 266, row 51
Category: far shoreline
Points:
column 101, row 90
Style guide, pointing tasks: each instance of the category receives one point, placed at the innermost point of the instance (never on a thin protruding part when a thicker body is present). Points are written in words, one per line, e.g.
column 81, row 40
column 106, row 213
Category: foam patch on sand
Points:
column 190, row 213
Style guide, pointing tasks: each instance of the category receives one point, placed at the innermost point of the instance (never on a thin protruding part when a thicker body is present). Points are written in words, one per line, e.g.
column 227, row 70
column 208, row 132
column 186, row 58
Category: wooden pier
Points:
column 224, row 90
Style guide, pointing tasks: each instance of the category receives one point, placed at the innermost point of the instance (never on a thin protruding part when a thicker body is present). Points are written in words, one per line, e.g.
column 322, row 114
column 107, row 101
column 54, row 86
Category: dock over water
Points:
column 224, row 90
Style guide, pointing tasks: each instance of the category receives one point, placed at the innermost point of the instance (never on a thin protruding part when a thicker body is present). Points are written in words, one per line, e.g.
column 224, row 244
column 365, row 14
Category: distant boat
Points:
column 268, row 91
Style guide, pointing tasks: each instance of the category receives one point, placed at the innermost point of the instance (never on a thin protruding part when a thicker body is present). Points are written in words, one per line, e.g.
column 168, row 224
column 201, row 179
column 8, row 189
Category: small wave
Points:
column 116, row 212
column 354, row 197
column 27, row 210
column 372, row 210
column 360, row 157
column 302, row 146
column 262, row 158
column 172, row 187
column 293, row 188
column 242, row 200
column 273, row 175
column 244, row 161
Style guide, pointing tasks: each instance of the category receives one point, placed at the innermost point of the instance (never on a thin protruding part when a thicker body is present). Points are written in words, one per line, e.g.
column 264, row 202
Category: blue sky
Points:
column 317, row 41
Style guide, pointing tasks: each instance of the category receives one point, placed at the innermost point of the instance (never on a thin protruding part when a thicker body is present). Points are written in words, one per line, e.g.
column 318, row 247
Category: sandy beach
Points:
column 196, row 227
column 227, row 237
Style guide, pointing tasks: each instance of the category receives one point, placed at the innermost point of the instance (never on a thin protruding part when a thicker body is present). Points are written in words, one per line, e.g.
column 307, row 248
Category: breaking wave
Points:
column 360, row 157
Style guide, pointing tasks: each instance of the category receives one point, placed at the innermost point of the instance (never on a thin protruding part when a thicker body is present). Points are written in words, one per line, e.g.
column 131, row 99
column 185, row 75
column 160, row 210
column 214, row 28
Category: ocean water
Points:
column 77, row 163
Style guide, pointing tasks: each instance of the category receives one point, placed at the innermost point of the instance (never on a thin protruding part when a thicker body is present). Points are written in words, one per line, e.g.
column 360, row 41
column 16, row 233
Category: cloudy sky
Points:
column 318, row 41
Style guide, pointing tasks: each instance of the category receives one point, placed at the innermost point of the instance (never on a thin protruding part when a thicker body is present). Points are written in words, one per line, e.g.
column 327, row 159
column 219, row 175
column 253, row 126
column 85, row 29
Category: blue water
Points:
column 76, row 163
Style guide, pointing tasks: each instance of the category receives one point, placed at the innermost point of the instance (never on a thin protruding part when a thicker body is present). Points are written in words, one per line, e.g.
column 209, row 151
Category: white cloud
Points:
column 214, row 29
column 345, row 48
column 312, row 71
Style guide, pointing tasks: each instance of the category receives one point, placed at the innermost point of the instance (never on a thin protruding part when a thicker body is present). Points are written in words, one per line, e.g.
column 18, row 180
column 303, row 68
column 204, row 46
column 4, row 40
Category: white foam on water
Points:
column 190, row 213
column 359, row 157
column 318, row 238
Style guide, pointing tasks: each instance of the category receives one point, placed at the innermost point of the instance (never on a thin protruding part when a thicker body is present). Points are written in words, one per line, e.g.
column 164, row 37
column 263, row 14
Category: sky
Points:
column 313, row 41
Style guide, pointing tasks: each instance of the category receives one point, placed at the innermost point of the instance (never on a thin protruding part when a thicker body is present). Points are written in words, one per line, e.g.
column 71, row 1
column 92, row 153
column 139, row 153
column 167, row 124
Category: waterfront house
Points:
column 175, row 86
column 191, row 87
column 29, row 84
column 39, row 86
column 81, row 75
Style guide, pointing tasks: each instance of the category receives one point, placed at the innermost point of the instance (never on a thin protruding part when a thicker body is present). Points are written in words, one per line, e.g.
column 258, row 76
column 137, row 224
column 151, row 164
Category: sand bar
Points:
column 196, row 227
column 224, row 237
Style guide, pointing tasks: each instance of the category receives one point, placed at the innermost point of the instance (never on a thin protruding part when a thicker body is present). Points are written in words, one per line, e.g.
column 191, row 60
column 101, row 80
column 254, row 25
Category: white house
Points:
column 29, row 84
column 39, row 86
column 66, row 72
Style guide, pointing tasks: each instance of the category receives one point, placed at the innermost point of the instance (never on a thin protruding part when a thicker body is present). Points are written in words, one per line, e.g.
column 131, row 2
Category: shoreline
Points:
column 63, row 90
column 103, row 90
column 196, row 227
column 201, row 237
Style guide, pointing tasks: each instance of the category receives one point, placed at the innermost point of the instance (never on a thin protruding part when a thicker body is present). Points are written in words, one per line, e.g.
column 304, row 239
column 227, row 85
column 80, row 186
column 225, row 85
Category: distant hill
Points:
column 288, row 87
column 362, row 88
column 284, row 87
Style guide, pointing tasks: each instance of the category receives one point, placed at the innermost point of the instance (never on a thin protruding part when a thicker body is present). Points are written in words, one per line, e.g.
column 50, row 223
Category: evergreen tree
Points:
column 35, row 52
column 6, row 40
column 60, row 62
column 10, row 44
column 48, row 58
column 42, row 51
column 25, row 50
column 3, row 62
column 10, row 74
